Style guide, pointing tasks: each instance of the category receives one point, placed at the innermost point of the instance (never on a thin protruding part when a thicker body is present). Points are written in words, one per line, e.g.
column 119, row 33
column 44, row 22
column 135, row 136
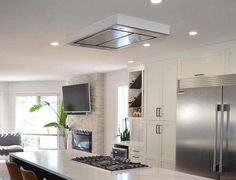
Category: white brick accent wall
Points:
column 93, row 121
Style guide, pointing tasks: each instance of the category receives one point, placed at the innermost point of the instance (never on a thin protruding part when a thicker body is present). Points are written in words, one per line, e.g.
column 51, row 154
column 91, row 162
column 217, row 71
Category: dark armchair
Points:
column 9, row 143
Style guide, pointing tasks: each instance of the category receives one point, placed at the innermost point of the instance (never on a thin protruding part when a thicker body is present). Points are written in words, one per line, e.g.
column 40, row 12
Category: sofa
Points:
column 9, row 143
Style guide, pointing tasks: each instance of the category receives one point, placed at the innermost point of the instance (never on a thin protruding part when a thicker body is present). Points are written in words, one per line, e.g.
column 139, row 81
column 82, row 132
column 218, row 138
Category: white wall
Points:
column 15, row 88
column 112, row 80
column 3, row 106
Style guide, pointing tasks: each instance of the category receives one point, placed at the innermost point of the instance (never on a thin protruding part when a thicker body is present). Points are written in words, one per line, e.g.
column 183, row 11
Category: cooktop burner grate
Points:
column 109, row 163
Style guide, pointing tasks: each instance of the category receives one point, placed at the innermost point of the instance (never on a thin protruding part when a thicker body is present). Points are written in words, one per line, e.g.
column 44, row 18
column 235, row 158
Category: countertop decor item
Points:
column 61, row 124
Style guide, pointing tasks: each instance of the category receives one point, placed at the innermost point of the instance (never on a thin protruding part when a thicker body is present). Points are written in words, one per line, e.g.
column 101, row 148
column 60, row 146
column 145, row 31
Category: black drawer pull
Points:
column 198, row 75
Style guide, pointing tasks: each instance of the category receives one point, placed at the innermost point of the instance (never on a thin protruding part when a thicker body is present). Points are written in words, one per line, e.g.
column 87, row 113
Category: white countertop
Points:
column 60, row 163
column 130, row 143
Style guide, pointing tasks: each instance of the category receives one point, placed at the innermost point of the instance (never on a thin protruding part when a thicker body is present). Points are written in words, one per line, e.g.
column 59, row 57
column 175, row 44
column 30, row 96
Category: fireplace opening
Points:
column 82, row 140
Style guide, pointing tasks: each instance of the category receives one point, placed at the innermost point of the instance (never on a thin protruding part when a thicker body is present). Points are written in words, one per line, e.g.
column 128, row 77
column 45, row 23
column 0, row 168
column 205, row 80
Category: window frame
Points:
column 117, row 103
column 42, row 134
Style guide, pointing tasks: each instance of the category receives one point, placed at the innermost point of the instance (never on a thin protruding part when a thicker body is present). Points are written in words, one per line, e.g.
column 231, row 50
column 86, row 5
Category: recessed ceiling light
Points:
column 130, row 62
column 146, row 45
column 156, row 1
column 55, row 43
column 193, row 33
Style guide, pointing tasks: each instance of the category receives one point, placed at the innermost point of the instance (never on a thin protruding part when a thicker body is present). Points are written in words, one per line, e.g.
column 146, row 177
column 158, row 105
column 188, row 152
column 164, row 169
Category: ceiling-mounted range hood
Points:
column 119, row 31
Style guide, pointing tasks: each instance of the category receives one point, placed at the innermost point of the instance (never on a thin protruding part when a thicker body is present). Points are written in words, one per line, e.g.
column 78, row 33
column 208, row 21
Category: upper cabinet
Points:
column 231, row 62
column 204, row 66
column 160, row 90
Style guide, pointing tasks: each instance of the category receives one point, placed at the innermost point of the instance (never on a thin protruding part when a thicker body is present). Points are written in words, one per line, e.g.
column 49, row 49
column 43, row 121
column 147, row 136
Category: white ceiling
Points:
column 28, row 26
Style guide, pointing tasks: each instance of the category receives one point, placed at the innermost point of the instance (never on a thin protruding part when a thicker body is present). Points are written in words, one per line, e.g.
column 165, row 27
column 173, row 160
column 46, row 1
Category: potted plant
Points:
column 60, row 125
column 125, row 135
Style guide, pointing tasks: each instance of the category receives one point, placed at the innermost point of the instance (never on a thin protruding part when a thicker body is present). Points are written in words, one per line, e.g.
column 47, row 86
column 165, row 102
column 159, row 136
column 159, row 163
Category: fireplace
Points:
column 82, row 140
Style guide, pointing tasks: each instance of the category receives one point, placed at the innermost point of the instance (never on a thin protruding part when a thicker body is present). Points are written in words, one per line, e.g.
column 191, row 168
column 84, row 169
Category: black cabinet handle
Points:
column 198, row 75
column 158, row 129
column 158, row 112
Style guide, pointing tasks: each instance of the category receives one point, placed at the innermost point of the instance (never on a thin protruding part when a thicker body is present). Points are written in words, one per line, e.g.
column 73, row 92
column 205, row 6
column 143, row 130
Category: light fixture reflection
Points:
column 156, row 1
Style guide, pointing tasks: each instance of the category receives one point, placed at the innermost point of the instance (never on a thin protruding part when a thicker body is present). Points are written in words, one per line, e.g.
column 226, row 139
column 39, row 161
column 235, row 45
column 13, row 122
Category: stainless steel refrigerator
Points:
column 206, row 127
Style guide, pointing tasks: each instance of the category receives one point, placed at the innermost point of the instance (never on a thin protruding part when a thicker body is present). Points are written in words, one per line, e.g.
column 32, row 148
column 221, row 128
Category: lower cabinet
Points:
column 153, row 144
column 160, row 145
column 137, row 158
column 136, row 154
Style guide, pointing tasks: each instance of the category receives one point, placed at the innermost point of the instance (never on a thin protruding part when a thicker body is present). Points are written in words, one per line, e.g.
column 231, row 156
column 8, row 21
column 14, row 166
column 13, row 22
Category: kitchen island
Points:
column 57, row 165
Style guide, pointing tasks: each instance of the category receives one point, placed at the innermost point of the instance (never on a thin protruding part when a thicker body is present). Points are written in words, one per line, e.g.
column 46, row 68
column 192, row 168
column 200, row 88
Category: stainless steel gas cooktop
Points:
column 109, row 163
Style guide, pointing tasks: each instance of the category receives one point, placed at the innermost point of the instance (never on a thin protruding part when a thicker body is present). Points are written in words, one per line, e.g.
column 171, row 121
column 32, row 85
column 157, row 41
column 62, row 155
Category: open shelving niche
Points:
column 136, row 94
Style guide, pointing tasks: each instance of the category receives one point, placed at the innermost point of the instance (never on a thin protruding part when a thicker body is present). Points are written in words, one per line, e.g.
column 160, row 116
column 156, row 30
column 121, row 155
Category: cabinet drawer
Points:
column 136, row 158
column 136, row 150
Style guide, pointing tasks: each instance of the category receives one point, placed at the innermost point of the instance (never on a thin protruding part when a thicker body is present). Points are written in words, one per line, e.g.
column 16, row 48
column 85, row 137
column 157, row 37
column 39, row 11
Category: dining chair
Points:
column 28, row 175
column 14, row 171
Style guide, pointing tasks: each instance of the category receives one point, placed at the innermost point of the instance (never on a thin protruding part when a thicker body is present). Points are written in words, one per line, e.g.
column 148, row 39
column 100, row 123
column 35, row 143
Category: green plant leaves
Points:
column 125, row 135
column 52, row 124
column 39, row 106
column 62, row 116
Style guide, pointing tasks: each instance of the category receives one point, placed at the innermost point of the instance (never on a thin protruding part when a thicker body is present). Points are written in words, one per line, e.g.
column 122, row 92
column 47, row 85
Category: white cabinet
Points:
column 168, row 146
column 231, row 62
column 153, row 144
column 160, row 113
column 137, row 159
column 136, row 154
column 193, row 67
column 160, row 145
column 160, row 93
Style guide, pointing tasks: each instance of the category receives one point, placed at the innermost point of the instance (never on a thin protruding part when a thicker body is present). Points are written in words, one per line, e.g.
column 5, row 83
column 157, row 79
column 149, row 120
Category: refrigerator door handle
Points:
column 215, row 162
column 224, row 107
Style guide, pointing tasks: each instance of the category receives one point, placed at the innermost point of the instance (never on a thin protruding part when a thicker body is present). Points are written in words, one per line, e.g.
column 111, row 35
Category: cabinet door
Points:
column 212, row 65
column 169, row 94
column 231, row 63
column 153, row 145
column 168, row 146
column 153, row 90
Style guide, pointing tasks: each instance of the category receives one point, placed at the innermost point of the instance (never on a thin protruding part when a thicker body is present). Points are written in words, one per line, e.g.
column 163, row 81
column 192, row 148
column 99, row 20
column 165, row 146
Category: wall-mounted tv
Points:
column 76, row 98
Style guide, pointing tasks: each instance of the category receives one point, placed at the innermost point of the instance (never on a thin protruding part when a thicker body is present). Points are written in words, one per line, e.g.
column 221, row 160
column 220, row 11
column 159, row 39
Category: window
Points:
column 122, row 106
column 35, row 136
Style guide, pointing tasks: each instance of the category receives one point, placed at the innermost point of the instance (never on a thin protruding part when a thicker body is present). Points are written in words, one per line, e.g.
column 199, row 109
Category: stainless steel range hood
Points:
column 119, row 31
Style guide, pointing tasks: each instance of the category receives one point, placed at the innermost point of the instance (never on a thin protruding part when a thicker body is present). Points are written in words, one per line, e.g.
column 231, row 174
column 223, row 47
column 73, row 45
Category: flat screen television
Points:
column 76, row 98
